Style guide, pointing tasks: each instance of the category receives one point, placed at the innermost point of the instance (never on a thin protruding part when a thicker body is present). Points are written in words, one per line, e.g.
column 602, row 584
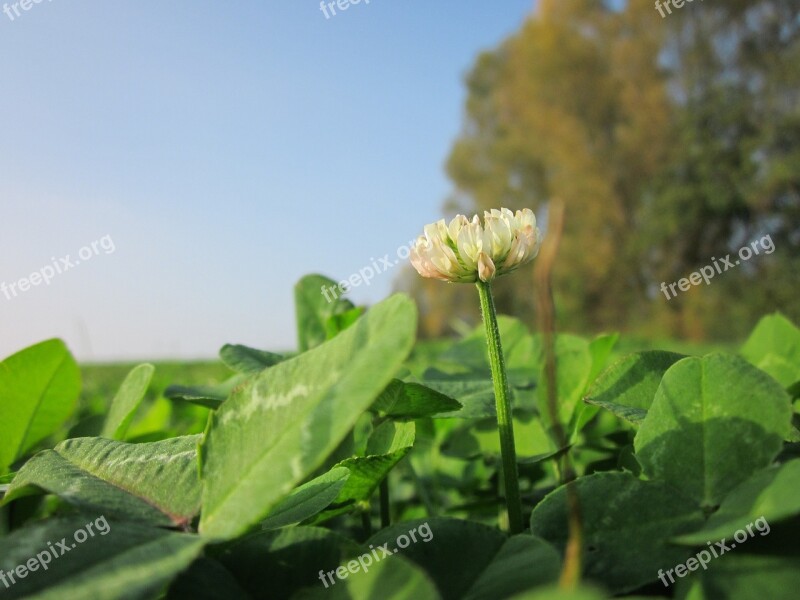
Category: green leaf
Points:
column 273, row 433
column 574, row 362
column 461, row 442
column 39, row 389
column 537, row 458
column 627, row 527
column 128, row 561
column 128, row 398
column 521, row 351
column 210, row 396
column 631, row 414
column 393, row 578
column 91, row 426
column 628, row 386
column 475, row 396
column 774, row 347
column 366, row 472
column 314, row 309
column 770, row 494
column 275, row 564
column 339, row 322
column 248, row 361
column 714, row 422
column 780, row 369
column 600, row 348
column 155, row 482
column 154, row 425
column 472, row 352
column 477, row 439
column 387, row 446
column 206, row 579
column 522, row 563
column 307, row 500
column 741, row 576
column 559, row 593
column 453, row 552
column 390, row 437
column 401, row 400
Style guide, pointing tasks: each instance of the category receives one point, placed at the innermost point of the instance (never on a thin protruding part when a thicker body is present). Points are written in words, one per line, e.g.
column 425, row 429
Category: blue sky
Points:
column 226, row 149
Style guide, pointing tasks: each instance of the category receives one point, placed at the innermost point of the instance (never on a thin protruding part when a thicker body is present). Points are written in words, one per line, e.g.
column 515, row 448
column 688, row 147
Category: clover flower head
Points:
column 466, row 250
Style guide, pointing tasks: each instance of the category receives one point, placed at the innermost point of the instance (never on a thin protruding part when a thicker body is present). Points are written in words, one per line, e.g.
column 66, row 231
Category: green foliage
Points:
column 128, row 561
column 39, row 388
column 770, row 494
column 155, row 482
column 774, row 347
column 714, row 422
column 307, row 500
column 749, row 576
column 574, row 361
column 476, row 397
column 206, row 579
column 628, row 524
column 557, row 593
column 395, row 578
column 275, row 431
column 671, row 452
column 627, row 388
column 523, row 562
column 210, row 396
column 128, row 398
column 273, row 564
column 402, row 400
column 455, row 556
column 318, row 318
column 249, row 361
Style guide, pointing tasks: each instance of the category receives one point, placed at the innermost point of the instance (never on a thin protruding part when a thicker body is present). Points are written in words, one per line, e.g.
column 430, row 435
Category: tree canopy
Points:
column 672, row 141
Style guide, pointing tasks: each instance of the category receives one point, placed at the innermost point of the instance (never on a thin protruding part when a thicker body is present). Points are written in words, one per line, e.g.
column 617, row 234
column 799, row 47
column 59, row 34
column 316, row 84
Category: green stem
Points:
column 502, row 398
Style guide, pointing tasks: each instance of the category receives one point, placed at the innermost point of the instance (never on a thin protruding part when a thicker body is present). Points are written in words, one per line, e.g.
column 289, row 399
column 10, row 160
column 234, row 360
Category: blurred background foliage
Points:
column 671, row 141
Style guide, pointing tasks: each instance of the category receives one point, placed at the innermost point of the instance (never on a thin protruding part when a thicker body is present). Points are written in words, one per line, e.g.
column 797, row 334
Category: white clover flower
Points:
column 468, row 251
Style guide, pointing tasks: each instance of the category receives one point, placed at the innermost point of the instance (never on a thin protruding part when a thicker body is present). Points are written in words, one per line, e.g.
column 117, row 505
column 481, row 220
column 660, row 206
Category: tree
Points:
column 671, row 141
